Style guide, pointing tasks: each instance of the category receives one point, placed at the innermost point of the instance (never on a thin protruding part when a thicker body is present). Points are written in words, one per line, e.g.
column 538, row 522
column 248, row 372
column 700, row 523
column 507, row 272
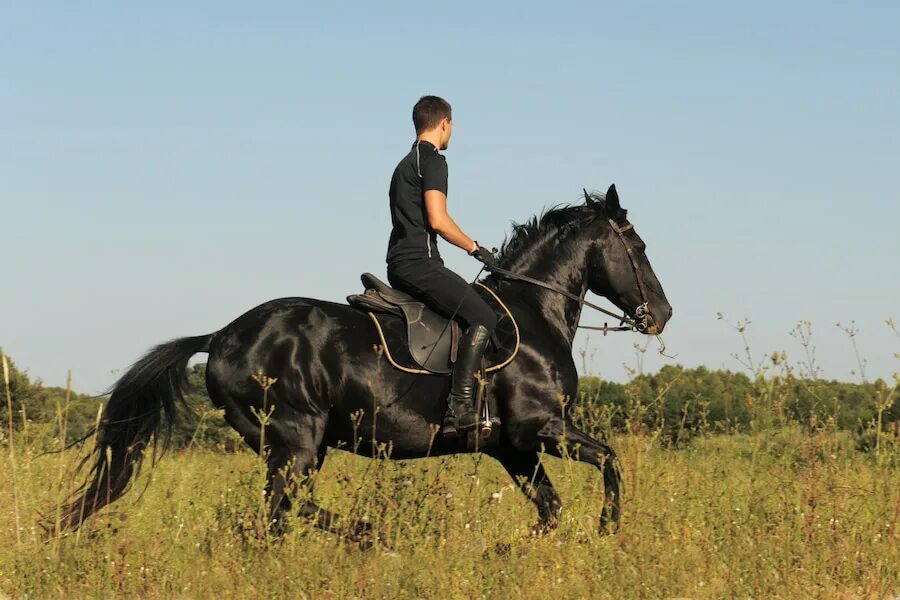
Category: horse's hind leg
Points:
column 290, row 471
column 293, row 456
column 527, row 472
column 565, row 439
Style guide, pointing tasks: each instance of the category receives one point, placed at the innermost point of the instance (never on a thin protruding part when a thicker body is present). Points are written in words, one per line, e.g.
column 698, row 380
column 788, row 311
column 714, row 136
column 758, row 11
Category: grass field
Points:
column 780, row 514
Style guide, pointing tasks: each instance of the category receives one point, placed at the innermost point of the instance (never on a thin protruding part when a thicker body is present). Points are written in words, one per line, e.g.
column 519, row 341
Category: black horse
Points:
column 296, row 376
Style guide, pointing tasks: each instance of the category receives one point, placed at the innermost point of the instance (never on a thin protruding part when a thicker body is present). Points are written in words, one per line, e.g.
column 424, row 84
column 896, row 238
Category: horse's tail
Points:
column 142, row 407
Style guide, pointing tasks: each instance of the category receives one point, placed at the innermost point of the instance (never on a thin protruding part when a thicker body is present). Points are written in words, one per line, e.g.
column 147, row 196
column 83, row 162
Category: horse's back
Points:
column 284, row 338
column 324, row 360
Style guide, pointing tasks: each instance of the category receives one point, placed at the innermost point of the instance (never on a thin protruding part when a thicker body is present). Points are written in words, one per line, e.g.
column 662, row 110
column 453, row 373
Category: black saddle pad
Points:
column 392, row 332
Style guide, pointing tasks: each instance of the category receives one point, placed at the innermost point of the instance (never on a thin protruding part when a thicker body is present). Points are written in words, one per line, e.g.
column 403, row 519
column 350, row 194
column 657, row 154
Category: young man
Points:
column 418, row 196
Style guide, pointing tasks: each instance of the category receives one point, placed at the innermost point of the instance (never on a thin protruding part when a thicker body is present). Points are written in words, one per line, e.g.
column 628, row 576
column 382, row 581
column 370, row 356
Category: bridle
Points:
column 642, row 319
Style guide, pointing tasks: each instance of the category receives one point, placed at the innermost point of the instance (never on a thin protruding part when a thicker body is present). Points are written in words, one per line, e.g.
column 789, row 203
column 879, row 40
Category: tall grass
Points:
column 786, row 509
column 12, row 449
column 783, row 514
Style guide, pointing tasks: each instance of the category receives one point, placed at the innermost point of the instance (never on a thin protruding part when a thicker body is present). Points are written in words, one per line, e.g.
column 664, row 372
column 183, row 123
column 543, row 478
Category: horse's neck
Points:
column 562, row 264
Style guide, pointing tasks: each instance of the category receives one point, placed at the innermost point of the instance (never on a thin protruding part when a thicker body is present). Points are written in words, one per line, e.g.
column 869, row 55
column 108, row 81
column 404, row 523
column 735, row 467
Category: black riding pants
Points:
column 442, row 290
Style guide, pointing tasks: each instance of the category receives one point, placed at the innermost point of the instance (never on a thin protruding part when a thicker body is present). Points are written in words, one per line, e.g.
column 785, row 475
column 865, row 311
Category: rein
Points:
column 642, row 318
column 622, row 318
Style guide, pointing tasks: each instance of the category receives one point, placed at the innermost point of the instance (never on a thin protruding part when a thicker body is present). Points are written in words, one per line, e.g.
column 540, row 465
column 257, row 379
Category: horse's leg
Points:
column 290, row 471
column 527, row 472
column 286, row 469
column 563, row 438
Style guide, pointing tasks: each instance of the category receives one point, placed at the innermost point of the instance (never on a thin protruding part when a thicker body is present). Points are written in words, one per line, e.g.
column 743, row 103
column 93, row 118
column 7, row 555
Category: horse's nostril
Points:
column 670, row 313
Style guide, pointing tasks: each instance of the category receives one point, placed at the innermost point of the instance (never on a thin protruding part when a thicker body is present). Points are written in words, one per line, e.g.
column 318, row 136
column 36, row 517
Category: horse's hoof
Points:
column 609, row 527
column 543, row 528
column 363, row 535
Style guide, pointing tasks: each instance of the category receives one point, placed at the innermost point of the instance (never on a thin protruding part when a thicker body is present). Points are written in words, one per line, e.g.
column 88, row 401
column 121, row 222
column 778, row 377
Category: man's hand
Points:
column 485, row 256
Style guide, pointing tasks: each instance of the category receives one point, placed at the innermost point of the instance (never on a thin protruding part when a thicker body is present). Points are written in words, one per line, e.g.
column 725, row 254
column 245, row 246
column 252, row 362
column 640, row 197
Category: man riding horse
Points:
column 326, row 385
column 418, row 196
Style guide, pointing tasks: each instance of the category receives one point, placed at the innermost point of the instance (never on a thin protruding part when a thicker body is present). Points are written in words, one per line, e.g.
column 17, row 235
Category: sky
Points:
column 165, row 167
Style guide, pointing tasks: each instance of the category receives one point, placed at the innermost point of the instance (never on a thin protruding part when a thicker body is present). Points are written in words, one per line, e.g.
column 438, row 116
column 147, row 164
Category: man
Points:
column 418, row 196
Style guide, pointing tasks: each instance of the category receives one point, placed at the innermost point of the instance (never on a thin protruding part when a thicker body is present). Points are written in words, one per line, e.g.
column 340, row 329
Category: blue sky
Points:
column 164, row 168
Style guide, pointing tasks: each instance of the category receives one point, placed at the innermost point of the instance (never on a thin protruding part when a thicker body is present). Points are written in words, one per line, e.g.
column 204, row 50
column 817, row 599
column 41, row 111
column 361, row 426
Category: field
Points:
column 782, row 513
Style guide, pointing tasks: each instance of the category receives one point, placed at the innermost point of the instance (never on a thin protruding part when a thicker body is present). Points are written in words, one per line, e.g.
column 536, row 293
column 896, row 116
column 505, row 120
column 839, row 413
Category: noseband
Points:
column 642, row 319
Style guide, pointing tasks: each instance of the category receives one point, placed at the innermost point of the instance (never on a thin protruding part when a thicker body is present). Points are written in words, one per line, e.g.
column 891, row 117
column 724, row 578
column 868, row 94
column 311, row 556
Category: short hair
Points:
column 429, row 111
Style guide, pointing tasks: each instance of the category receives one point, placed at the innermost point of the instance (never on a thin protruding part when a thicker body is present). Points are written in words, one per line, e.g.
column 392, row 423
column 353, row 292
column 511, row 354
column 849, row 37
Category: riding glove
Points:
column 485, row 256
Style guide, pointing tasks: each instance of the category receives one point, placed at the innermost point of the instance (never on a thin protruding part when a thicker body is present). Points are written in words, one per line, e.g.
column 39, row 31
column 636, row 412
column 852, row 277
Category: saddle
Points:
column 415, row 339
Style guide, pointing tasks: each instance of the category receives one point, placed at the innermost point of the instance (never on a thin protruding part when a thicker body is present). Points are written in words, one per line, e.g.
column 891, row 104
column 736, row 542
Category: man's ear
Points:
column 612, row 202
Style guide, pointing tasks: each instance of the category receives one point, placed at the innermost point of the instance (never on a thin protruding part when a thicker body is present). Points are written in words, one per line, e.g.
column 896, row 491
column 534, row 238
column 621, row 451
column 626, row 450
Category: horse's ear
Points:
column 612, row 202
column 587, row 197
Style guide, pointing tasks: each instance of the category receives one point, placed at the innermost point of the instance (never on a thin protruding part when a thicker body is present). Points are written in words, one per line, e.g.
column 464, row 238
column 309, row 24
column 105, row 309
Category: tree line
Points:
column 677, row 403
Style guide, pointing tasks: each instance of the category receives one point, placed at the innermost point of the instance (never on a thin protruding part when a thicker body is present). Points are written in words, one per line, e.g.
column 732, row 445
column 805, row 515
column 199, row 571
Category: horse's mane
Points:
column 552, row 222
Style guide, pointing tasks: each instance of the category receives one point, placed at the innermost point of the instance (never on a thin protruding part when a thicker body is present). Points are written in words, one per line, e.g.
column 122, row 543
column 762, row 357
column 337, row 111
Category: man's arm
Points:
column 443, row 224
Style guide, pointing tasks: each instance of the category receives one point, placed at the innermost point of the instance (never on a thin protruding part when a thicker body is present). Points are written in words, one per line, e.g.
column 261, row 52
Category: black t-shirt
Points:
column 423, row 169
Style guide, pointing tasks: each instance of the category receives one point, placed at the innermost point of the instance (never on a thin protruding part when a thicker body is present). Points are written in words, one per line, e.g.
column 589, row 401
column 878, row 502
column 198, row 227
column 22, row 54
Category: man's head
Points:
column 433, row 119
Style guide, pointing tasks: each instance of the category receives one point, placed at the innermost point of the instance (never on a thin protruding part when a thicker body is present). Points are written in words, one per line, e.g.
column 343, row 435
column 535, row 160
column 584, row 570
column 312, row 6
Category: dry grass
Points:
column 779, row 514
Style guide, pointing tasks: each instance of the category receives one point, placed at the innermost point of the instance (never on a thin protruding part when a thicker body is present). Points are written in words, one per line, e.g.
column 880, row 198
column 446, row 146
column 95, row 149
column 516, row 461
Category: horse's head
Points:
column 618, row 267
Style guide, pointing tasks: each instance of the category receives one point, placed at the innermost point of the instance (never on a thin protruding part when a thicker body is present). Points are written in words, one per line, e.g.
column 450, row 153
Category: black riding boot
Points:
column 461, row 415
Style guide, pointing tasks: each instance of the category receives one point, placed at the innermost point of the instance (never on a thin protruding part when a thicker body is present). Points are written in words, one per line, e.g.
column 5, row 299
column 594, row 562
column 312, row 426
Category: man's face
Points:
column 446, row 131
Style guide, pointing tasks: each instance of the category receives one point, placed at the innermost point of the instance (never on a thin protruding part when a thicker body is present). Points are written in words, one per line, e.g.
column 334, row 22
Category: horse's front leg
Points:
column 527, row 472
column 562, row 438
